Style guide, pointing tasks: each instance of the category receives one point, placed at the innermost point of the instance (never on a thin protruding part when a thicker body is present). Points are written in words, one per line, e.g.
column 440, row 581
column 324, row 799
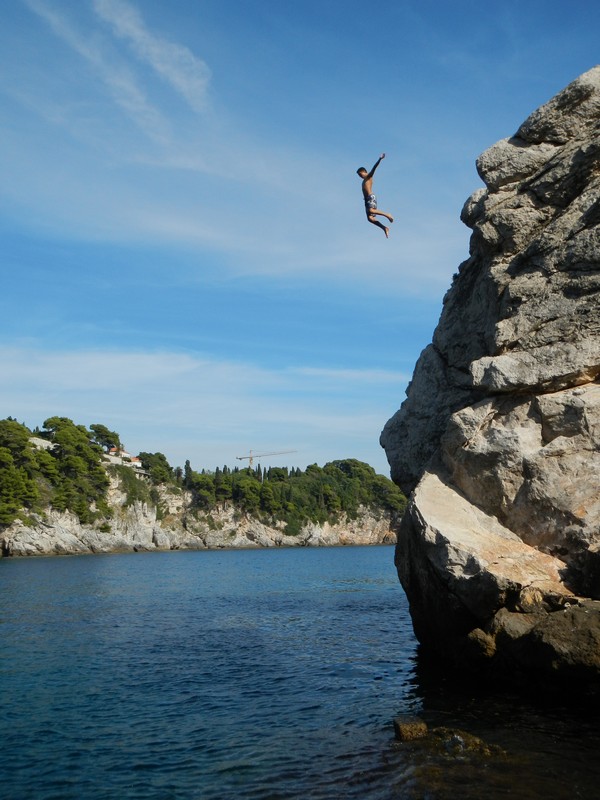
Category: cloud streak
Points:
column 114, row 73
column 176, row 64
column 200, row 408
column 200, row 181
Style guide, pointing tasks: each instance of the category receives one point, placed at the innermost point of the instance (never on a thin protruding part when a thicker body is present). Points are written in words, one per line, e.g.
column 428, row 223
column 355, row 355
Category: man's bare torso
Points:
column 367, row 186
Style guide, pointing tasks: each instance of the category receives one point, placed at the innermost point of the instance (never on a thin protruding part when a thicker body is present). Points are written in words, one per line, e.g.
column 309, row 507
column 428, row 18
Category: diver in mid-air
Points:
column 370, row 200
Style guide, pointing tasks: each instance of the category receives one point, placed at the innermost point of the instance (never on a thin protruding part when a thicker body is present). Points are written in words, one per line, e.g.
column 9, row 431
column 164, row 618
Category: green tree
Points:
column 157, row 466
column 268, row 501
column 105, row 438
column 47, row 466
column 15, row 437
column 54, row 424
column 277, row 474
column 387, row 495
column 331, row 499
column 82, row 480
column 223, row 487
column 17, row 490
column 203, row 490
column 246, row 494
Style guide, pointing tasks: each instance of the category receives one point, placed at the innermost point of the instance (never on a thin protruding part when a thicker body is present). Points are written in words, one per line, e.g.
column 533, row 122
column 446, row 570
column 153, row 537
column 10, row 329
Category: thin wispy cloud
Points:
column 175, row 63
column 199, row 407
column 204, row 181
column 113, row 72
column 368, row 376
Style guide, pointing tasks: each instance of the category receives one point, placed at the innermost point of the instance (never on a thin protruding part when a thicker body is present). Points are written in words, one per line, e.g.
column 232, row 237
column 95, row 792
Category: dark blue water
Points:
column 264, row 674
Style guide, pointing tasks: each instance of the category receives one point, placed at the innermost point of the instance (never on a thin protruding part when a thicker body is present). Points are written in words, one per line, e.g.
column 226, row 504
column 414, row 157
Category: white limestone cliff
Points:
column 137, row 528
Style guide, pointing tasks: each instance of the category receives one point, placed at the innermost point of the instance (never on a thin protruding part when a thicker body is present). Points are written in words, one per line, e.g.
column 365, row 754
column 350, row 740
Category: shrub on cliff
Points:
column 135, row 490
column 157, row 467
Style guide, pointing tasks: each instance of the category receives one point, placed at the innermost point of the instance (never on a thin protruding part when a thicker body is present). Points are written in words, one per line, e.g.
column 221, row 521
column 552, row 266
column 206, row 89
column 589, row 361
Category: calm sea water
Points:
column 269, row 674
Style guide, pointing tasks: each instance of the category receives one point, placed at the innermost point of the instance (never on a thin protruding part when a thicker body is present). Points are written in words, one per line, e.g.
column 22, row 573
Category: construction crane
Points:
column 253, row 455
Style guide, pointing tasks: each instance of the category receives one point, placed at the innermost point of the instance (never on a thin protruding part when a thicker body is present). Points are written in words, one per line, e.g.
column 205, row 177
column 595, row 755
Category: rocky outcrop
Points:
column 499, row 436
column 136, row 527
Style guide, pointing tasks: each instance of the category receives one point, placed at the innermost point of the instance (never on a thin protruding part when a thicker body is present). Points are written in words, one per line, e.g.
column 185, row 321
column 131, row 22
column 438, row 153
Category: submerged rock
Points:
column 407, row 729
column 499, row 436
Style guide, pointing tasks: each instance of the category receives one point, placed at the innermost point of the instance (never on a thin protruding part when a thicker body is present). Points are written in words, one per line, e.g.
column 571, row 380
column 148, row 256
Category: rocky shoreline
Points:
column 136, row 527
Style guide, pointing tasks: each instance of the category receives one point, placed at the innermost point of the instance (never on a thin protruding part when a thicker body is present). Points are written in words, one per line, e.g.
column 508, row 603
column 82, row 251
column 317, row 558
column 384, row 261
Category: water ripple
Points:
column 194, row 674
column 258, row 675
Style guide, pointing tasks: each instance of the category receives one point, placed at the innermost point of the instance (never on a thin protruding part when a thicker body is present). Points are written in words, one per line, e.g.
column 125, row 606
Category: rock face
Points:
column 137, row 528
column 499, row 436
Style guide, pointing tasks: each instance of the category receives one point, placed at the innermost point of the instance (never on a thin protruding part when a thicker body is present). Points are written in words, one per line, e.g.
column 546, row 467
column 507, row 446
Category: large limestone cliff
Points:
column 137, row 527
column 499, row 436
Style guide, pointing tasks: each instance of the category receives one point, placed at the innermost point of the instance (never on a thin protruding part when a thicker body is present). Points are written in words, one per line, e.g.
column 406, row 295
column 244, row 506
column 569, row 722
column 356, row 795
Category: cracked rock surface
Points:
column 499, row 435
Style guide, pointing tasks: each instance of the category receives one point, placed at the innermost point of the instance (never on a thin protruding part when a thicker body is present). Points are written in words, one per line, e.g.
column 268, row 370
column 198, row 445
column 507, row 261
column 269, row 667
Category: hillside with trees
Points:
column 67, row 475
column 65, row 467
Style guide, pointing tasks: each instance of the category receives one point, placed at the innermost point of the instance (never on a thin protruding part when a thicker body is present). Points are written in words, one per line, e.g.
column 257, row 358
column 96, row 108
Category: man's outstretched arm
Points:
column 377, row 163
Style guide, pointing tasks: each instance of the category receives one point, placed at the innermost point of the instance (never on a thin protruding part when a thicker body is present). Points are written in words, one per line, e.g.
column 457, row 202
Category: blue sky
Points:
column 185, row 253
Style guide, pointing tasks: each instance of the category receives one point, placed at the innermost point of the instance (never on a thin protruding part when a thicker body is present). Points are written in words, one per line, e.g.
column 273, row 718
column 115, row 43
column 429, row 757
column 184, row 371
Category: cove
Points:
column 248, row 674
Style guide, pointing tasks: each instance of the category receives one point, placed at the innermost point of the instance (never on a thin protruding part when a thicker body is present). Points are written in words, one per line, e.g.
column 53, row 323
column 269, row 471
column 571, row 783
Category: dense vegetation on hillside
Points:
column 70, row 476
column 67, row 470
column 296, row 496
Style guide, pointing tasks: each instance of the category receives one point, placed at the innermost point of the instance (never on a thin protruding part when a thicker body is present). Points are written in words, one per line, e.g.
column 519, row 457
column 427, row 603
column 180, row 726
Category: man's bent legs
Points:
column 381, row 214
column 374, row 221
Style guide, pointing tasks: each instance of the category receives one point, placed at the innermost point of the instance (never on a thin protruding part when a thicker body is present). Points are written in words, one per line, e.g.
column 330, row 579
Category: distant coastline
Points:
column 69, row 490
column 136, row 529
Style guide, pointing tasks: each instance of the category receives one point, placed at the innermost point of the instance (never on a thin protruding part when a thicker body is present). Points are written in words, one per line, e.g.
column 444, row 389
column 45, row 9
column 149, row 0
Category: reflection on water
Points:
column 267, row 675
column 494, row 744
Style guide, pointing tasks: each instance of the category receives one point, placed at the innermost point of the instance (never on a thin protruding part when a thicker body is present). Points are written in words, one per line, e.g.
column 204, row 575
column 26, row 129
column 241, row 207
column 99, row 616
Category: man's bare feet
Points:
column 387, row 233
column 391, row 219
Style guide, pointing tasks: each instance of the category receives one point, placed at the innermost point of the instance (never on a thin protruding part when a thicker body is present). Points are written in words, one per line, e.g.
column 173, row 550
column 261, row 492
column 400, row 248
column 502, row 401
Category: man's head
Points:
column 362, row 172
